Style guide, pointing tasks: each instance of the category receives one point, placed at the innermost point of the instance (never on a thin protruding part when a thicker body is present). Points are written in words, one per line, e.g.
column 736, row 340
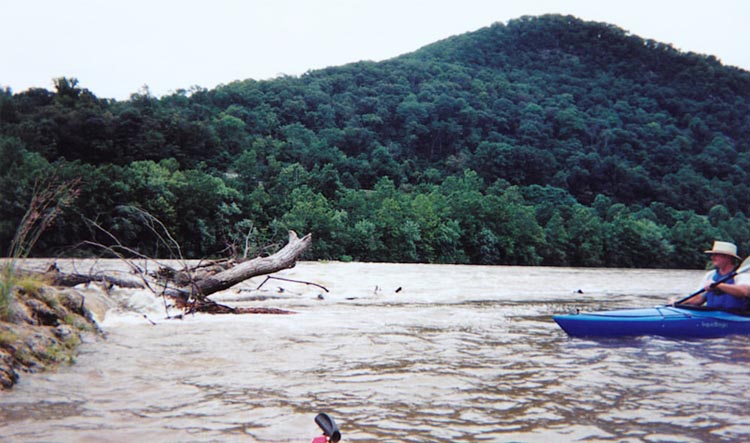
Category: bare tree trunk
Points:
column 190, row 288
column 69, row 280
column 284, row 259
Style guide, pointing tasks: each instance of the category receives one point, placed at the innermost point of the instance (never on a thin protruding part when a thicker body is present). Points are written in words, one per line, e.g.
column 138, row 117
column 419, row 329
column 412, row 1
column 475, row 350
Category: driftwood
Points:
column 193, row 296
column 190, row 287
column 283, row 259
column 58, row 278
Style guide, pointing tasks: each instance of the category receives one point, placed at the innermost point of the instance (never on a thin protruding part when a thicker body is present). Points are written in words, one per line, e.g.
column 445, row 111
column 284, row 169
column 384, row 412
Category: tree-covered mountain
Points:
column 546, row 140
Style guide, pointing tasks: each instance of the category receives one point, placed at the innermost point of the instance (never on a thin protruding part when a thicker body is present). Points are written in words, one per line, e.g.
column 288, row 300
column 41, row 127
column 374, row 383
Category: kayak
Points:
column 665, row 321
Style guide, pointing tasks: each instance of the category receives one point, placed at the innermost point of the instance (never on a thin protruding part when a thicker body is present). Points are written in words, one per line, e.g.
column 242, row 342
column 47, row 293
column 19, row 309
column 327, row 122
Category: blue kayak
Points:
column 666, row 321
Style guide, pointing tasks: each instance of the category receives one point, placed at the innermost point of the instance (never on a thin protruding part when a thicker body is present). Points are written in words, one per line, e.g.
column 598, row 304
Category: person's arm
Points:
column 699, row 299
column 695, row 300
column 740, row 288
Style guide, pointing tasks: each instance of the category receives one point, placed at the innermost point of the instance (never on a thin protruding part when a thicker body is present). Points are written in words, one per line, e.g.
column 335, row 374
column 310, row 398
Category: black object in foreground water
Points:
column 328, row 426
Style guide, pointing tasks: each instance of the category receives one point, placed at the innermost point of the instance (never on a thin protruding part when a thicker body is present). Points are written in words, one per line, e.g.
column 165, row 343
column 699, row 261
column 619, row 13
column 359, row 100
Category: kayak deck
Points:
column 666, row 321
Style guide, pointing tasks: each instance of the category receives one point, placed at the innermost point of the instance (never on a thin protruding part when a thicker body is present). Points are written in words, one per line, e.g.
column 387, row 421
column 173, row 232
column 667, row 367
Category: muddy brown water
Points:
column 459, row 354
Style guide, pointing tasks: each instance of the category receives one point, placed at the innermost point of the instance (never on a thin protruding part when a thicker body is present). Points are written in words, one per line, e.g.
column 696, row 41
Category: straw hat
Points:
column 726, row 248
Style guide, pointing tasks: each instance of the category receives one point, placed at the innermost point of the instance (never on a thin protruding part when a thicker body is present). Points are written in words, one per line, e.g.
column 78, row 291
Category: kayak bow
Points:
column 666, row 321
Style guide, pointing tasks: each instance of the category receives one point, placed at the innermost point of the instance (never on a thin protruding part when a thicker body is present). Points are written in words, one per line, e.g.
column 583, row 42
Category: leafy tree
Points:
column 585, row 227
column 690, row 234
column 557, row 242
column 311, row 212
column 544, row 140
column 636, row 242
column 20, row 170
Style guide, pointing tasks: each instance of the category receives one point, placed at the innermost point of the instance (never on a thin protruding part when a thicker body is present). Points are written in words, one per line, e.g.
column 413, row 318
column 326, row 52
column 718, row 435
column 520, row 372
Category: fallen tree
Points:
column 207, row 284
column 193, row 296
column 191, row 286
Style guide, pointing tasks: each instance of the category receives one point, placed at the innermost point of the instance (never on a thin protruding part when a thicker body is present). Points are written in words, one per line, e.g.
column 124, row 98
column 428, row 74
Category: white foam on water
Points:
column 132, row 306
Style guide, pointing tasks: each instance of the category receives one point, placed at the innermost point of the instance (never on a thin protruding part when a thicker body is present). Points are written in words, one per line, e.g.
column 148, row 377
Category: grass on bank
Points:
column 7, row 283
column 11, row 280
column 47, row 202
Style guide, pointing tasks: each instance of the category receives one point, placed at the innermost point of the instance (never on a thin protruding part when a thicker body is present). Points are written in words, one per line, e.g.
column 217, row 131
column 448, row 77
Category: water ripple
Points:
column 432, row 364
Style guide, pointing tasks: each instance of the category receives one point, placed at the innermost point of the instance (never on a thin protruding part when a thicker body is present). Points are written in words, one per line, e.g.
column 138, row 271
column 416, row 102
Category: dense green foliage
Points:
column 548, row 140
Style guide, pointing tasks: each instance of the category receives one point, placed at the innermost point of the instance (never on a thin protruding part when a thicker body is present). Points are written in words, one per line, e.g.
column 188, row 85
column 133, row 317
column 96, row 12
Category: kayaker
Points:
column 731, row 295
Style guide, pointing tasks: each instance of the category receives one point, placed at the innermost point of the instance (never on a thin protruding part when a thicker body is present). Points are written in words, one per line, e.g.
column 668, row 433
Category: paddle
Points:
column 744, row 267
column 328, row 426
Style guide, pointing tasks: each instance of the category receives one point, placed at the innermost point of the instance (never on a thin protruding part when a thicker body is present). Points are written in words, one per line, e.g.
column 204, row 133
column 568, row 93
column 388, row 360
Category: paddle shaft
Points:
column 744, row 267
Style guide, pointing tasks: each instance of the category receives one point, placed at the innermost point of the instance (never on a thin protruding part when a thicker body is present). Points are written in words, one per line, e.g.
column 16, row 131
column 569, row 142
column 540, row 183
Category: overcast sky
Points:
column 115, row 47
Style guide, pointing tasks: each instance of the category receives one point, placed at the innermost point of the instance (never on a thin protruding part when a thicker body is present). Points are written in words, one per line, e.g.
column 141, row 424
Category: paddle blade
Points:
column 328, row 426
column 744, row 266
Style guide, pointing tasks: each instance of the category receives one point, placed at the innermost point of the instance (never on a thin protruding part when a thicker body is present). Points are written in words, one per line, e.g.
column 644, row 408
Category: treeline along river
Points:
column 458, row 354
column 544, row 141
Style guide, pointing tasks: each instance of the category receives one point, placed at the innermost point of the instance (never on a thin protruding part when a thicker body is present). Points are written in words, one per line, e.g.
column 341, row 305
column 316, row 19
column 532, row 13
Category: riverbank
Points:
column 42, row 330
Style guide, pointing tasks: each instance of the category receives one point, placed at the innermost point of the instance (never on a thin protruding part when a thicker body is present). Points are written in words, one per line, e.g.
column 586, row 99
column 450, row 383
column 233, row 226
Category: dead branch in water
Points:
column 292, row 281
column 190, row 287
column 211, row 307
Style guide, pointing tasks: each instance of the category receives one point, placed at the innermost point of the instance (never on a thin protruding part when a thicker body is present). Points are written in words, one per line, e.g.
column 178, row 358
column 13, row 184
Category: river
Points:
column 395, row 353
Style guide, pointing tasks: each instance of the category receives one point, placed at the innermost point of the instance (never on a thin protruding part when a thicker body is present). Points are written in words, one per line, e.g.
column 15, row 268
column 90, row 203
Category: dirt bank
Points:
column 42, row 330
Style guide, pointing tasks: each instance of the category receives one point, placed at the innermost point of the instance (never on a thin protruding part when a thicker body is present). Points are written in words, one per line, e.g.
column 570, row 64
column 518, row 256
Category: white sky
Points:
column 114, row 47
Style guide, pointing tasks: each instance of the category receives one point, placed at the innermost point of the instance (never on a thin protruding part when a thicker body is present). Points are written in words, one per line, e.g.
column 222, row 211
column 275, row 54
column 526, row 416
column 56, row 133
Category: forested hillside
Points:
column 547, row 140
